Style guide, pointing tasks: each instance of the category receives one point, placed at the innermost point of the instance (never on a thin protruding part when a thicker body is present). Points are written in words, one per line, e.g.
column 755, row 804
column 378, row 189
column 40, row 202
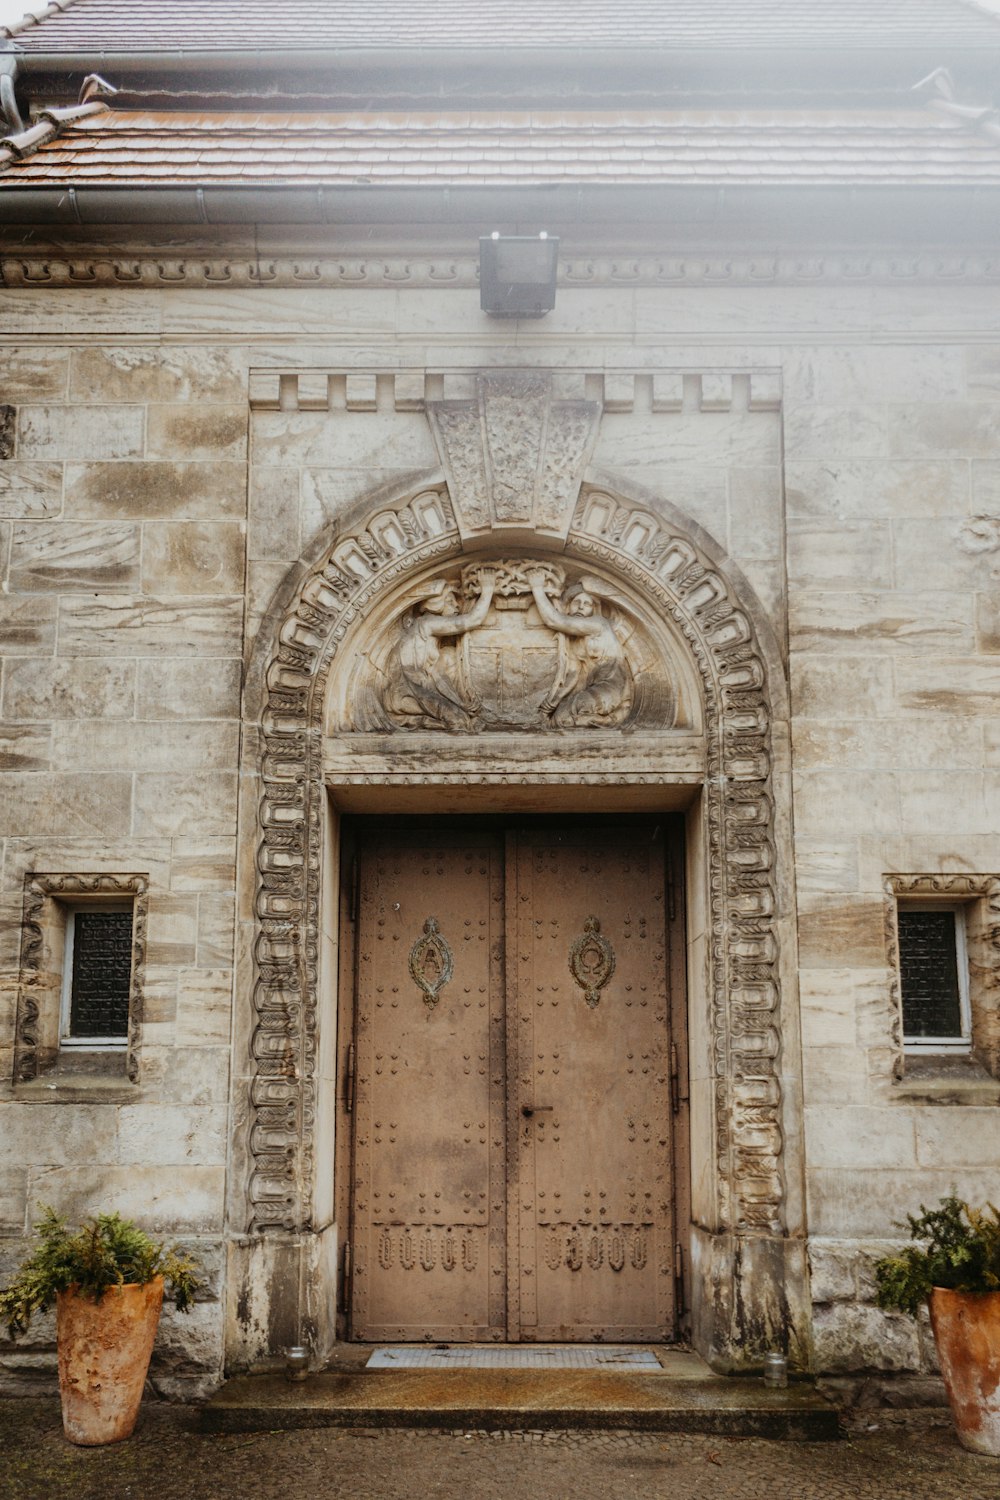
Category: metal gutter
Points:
column 920, row 213
column 436, row 77
column 422, row 59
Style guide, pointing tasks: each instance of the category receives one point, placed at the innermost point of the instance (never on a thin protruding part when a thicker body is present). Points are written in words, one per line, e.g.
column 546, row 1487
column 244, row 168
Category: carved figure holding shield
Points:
column 426, row 688
column 595, row 689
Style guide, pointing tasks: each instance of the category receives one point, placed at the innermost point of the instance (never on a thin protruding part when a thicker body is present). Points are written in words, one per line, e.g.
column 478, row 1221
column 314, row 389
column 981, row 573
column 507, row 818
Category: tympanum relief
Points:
column 515, row 644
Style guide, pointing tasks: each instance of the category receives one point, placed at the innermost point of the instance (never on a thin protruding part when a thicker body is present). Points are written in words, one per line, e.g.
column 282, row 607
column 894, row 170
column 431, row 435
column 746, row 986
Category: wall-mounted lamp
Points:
column 517, row 274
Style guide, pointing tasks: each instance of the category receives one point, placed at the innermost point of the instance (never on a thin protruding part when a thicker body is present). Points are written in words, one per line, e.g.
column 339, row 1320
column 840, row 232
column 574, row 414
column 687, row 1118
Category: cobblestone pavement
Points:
column 887, row 1457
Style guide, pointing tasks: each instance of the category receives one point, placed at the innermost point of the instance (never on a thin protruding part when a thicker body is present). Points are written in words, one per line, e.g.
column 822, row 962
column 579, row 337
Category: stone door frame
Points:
column 749, row 1282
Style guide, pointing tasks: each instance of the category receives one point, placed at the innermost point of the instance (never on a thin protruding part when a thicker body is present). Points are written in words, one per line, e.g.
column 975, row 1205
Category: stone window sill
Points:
column 946, row 1080
column 97, row 1078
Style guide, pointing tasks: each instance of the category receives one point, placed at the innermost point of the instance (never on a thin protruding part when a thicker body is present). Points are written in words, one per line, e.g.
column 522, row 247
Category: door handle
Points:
column 528, row 1110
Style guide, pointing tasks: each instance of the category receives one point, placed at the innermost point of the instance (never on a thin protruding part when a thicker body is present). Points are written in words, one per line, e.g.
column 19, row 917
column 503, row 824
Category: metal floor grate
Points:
column 515, row 1357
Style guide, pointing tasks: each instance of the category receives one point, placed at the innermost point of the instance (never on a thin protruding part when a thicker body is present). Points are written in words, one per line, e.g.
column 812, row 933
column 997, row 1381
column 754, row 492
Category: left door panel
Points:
column 429, row 1207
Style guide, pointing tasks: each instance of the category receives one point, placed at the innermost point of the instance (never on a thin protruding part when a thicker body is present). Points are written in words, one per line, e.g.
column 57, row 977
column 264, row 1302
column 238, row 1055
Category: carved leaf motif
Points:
column 592, row 961
column 616, row 1252
column 431, row 963
column 470, row 1253
column 574, row 1252
column 385, row 1250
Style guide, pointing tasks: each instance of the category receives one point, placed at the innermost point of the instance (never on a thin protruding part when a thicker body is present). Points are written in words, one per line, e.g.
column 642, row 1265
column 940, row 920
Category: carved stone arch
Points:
column 676, row 569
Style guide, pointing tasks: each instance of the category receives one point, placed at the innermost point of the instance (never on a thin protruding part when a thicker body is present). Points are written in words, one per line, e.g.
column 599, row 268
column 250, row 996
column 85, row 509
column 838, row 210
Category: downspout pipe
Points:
column 9, row 69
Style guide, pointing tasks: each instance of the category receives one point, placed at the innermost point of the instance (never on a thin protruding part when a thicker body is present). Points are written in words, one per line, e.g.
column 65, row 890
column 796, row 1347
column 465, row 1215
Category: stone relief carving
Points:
column 511, row 645
column 677, row 583
column 514, row 455
column 426, row 687
column 980, row 536
column 594, row 687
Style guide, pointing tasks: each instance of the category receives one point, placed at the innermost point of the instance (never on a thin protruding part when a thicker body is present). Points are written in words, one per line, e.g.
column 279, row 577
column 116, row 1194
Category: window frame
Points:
column 66, row 1039
column 959, row 1043
column 976, row 897
column 45, row 961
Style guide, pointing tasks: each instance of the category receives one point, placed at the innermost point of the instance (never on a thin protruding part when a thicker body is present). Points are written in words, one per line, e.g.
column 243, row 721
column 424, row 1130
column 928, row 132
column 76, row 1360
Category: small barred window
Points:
column 98, row 976
column 933, row 973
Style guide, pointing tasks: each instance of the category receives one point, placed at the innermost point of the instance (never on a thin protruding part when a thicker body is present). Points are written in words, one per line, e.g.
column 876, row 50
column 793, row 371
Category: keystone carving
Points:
column 514, row 456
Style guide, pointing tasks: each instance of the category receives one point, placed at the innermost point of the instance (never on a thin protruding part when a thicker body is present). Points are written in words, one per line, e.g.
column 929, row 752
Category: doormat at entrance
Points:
column 515, row 1357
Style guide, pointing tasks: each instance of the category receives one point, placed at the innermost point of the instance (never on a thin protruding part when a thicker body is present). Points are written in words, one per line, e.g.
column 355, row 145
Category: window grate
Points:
column 101, row 975
column 930, row 975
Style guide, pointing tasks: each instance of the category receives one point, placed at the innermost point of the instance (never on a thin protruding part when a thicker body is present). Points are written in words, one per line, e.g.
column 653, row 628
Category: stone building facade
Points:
column 260, row 445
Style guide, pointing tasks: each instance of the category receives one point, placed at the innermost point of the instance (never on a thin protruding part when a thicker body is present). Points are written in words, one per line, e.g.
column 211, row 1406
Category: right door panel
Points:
column 590, row 1217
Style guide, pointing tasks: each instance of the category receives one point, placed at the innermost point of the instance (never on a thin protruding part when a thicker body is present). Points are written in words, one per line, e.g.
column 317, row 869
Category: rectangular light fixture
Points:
column 517, row 274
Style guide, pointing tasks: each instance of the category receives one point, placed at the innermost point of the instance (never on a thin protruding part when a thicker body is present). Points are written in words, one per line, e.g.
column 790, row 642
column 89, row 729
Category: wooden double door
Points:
column 512, row 1085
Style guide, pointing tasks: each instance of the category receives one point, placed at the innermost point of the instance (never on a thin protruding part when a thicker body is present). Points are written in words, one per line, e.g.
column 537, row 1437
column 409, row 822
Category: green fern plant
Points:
column 958, row 1247
column 105, row 1251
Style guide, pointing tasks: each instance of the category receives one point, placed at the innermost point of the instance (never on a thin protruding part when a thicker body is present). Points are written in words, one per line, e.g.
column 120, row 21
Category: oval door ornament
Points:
column 431, row 963
column 592, row 961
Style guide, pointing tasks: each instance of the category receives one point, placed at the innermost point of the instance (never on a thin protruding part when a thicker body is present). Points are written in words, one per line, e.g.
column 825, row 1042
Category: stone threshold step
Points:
column 521, row 1399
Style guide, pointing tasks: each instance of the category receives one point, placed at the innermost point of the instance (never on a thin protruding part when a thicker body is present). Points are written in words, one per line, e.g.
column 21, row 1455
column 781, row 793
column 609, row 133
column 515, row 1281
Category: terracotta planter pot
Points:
column 967, row 1333
column 104, row 1352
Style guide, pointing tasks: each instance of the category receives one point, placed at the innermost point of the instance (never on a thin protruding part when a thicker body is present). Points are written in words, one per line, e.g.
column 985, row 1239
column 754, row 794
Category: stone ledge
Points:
column 74, row 1085
column 931, row 1080
column 499, row 1399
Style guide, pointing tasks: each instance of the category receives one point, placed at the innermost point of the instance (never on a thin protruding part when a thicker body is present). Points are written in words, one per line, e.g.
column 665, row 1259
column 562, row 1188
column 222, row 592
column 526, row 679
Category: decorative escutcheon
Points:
column 431, row 963
column 592, row 961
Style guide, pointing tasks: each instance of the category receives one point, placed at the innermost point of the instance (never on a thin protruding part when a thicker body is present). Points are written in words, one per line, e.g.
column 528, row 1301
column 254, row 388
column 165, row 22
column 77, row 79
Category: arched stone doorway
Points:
column 722, row 755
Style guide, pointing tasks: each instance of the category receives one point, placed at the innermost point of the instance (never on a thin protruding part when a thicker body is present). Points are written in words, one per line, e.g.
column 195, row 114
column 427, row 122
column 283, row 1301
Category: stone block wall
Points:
column 893, row 545
column 139, row 553
column 123, row 505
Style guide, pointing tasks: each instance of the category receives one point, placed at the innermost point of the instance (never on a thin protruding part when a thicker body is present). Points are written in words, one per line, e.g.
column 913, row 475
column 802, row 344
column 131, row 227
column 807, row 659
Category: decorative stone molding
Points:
column 340, row 589
column 745, row 990
column 35, row 984
column 419, row 390
column 981, row 894
column 99, row 269
column 358, row 577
